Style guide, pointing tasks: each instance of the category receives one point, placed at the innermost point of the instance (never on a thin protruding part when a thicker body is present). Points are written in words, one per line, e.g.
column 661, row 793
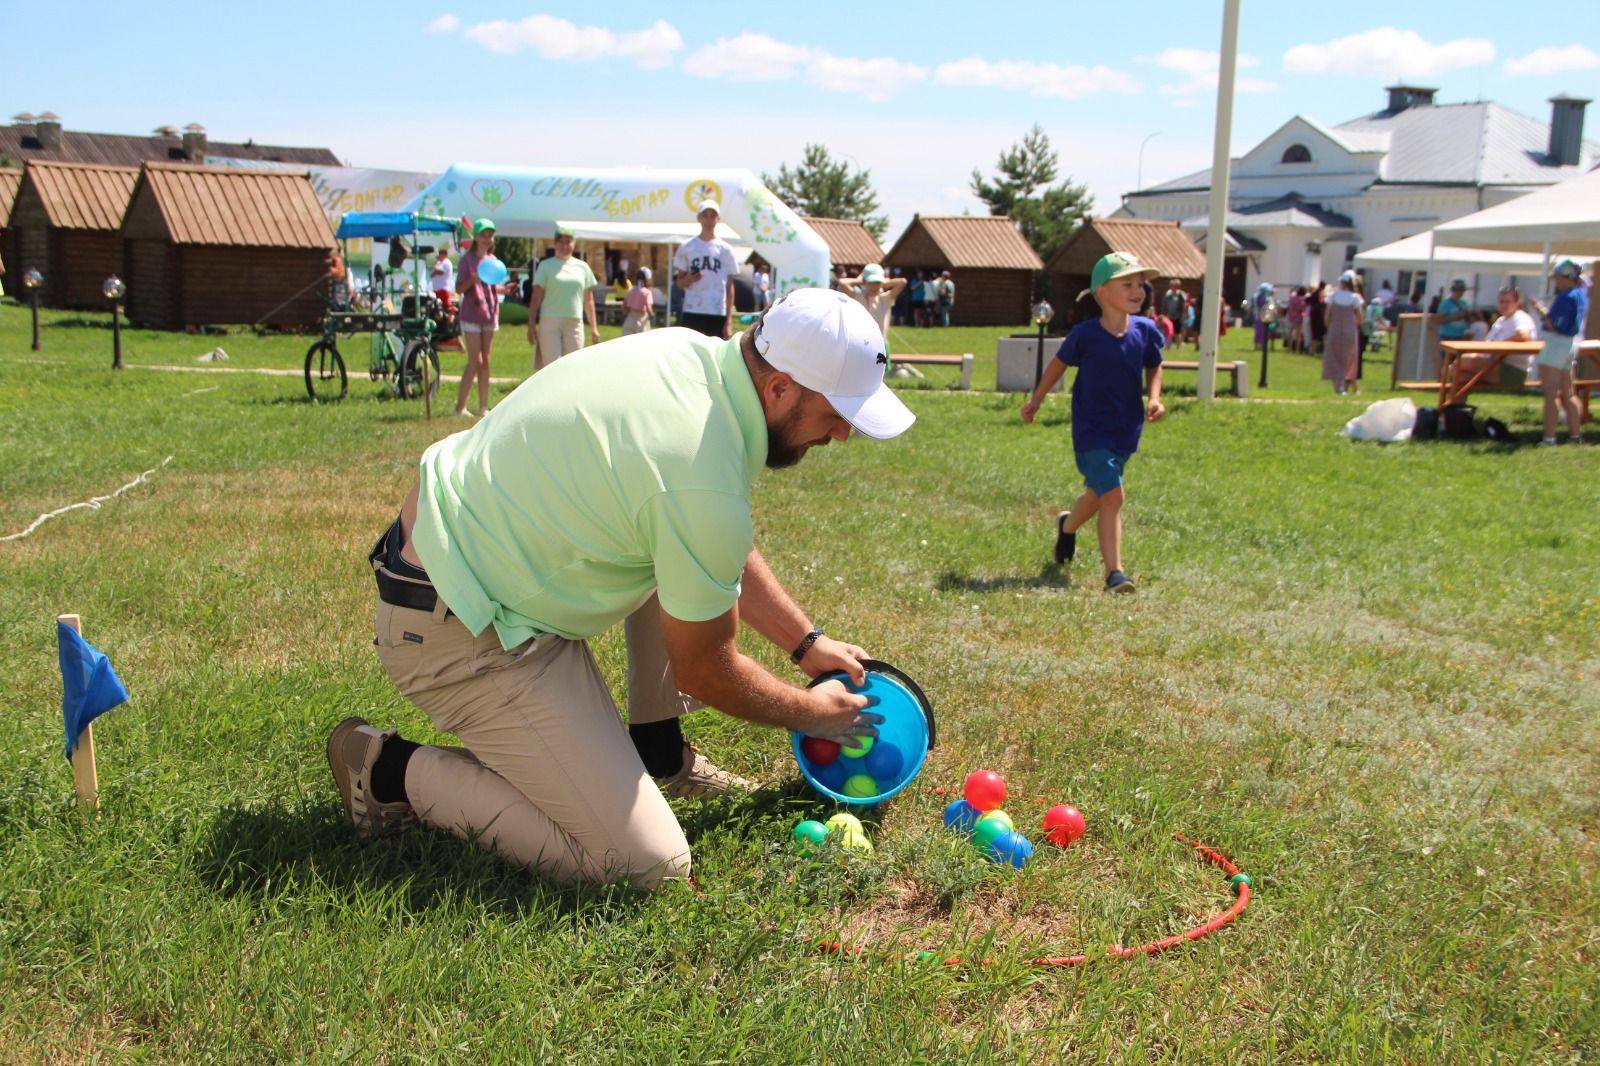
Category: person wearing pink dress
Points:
column 1342, row 342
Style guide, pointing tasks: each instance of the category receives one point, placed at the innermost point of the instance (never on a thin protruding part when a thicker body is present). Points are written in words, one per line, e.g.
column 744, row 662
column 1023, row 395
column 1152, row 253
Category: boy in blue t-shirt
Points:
column 1563, row 324
column 1112, row 353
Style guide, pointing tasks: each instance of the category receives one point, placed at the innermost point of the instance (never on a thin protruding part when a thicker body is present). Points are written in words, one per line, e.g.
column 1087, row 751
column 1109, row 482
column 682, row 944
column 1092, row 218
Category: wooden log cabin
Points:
column 991, row 263
column 65, row 224
column 1158, row 243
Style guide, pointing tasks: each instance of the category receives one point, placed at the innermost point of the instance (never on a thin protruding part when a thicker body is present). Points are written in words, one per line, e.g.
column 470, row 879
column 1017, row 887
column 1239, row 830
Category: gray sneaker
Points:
column 1120, row 582
column 353, row 748
column 700, row 777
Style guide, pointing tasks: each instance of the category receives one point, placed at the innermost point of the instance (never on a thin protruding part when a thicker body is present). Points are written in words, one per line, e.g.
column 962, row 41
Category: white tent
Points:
column 1418, row 253
column 1563, row 219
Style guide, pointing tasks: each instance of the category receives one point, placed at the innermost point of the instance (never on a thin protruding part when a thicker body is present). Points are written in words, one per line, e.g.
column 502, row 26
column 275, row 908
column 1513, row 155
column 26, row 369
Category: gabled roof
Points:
column 1292, row 210
column 227, row 206
column 21, row 142
column 81, row 195
column 9, row 180
column 1157, row 243
column 848, row 240
column 988, row 242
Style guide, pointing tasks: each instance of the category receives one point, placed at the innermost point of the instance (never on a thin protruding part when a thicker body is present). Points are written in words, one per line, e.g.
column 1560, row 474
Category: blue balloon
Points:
column 884, row 762
column 830, row 776
column 961, row 815
column 491, row 271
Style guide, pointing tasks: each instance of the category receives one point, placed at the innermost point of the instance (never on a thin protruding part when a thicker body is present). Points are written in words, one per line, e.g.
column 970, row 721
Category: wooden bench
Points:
column 963, row 361
column 1238, row 369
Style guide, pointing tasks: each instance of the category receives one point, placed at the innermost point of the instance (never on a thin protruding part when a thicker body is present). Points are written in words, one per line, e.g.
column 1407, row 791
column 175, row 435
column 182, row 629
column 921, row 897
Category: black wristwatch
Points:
column 805, row 645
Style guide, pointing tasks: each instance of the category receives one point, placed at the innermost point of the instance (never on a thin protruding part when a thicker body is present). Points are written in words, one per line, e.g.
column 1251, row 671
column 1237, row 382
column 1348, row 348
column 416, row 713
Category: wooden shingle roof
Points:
column 1159, row 243
column 9, row 180
column 81, row 195
column 241, row 208
column 21, row 142
column 848, row 240
column 987, row 242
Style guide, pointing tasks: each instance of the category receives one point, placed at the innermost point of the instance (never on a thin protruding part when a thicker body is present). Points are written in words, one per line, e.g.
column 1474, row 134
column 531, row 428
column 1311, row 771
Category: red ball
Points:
column 984, row 790
column 1063, row 824
column 818, row 751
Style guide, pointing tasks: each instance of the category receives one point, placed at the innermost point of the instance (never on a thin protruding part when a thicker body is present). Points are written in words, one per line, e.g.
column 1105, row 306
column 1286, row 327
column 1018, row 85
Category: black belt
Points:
column 417, row 595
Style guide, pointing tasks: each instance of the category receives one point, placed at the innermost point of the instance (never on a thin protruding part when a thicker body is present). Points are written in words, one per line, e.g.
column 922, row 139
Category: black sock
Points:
column 389, row 772
column 660, row 746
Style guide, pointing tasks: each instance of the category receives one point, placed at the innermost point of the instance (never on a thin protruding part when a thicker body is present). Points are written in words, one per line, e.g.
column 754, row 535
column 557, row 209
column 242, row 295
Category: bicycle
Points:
column 402, row 350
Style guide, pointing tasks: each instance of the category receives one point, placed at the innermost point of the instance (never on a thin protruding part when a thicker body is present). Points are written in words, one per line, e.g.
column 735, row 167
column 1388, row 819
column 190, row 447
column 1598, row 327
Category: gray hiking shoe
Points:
column 353, row 748
column 701, row 777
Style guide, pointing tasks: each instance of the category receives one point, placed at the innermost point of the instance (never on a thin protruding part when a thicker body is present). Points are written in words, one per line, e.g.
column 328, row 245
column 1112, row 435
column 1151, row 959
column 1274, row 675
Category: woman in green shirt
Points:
column 563, row 297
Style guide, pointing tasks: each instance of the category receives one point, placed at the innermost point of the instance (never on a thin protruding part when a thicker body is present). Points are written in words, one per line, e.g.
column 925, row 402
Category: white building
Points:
column 1306, row 199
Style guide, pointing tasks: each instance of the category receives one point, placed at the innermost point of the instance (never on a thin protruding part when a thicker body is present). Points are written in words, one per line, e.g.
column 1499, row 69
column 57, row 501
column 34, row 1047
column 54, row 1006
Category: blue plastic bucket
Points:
column 906, row 736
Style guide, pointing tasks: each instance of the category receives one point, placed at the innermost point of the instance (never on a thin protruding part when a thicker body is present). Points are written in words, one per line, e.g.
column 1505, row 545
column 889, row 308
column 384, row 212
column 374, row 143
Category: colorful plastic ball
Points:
column 854, row 840
column 884, row 762
column 808, row 835
column 831, row 777
column 860, row 786
column 1011, row 847
column 851, row 765
column 858, row 747
column 991, row 826
column 842, row 823
column 1063, row 824
column 960, row 815
column 984, row 790
column 818, row 751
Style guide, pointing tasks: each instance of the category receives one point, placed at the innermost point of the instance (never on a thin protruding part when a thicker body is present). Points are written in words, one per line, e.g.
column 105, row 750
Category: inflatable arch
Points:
column 633, row 205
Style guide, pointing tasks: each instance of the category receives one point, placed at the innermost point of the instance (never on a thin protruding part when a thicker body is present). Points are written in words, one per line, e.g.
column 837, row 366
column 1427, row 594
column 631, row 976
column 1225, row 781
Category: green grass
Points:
column 1368, row 674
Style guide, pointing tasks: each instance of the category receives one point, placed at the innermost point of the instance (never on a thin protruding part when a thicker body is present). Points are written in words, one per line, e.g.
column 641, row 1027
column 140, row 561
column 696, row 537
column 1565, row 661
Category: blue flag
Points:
column 90, row 686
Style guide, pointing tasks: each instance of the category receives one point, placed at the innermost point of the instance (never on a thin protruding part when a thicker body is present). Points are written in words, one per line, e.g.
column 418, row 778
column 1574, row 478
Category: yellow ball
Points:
column 860, row 786
column 855, row 841
column 844, row 823
column 857, row 747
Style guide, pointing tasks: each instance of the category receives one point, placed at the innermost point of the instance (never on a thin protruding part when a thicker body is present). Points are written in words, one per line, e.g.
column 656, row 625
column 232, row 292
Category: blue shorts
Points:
column 1101, row 469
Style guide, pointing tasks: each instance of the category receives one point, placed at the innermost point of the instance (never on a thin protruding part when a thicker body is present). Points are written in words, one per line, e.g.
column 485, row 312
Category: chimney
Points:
column 194, row 142
column 1402, row 97
column 1566, row 129
column 47, row 127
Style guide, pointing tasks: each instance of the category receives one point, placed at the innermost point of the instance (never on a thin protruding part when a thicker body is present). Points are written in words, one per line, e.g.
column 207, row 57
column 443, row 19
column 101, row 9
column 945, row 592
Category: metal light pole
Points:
column 1138, row 181
column 114, row 290
column 32, row 280
column 1216, row 227
column 1042, row 313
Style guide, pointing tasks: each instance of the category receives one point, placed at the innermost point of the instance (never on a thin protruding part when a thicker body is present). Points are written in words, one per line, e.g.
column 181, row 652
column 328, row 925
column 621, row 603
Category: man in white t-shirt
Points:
column 442, row 278
column 704, row 269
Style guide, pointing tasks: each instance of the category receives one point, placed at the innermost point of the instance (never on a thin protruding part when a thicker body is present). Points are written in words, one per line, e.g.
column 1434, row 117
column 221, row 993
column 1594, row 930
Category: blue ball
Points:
column 961, row 815
column 884, row 762
column 1013, row 848
column 831, row 776
column 852, row 765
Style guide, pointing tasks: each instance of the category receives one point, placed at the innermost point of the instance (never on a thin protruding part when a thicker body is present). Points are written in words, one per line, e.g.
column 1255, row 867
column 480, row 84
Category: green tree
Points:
column 822, row 187
column 1047, row 215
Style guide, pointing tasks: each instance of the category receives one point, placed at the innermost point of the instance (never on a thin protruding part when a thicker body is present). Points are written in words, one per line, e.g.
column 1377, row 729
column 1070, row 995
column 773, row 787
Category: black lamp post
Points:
column 114, row 290
column 32, row 280
column 1042, row 313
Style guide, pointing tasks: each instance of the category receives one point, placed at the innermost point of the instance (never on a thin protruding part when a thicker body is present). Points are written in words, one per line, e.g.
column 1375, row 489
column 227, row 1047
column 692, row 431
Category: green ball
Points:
column 857, row 748
column 992, row 825
column 861, row 786
column 841, row 823
column 808, row 835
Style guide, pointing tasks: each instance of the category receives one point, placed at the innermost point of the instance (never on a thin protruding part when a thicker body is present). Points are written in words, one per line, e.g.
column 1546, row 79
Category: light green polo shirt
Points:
column 621, row 470
column 564, row 285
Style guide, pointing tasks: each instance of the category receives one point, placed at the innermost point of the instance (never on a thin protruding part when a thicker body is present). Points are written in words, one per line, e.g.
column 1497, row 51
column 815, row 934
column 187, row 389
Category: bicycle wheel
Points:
column 419, row 369
column 325, row 377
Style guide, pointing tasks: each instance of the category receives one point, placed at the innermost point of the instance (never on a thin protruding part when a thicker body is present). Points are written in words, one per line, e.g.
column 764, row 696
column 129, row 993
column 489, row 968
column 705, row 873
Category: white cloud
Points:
column 444, row 24
column 555, row 38
column 1388, row 52
column 1201, row 73
column 758, row 57
column 1553, row 61
column 1042, row 79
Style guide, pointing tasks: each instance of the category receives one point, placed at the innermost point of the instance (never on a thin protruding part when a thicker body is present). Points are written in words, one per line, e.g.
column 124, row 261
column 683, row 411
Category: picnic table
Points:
column 1449, row 391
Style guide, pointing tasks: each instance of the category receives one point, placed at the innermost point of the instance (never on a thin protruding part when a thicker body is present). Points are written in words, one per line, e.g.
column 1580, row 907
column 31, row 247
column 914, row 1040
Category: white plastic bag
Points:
column 1386, row 420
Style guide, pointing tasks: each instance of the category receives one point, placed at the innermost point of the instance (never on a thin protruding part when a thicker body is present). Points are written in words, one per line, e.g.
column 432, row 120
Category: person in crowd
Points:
column 1454, row 313
column 639, row 304
column 1111, row 353
column 1172, row 304
column 877, row 293
column 1342, row 341
column 1264, row 305
column 919, row 306
column 479, row 316
column 442, row 278
column 615, row 488
column 1164, row 324
column 945, row 298
column 1317, row 315
column 704, row 268
column 1296, row 320
column 1478, row 325
column 562, row 300
column 902, row 303
column 1385, row 293
column 1563, row 323
column 760, row 289
column 621, row 285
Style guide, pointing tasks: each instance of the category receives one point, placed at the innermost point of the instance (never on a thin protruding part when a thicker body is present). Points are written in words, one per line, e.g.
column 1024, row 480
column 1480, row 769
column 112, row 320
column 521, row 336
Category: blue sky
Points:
column 919, row 94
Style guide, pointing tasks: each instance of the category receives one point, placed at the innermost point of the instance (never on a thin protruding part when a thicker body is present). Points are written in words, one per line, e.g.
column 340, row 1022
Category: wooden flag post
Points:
column 84, row 779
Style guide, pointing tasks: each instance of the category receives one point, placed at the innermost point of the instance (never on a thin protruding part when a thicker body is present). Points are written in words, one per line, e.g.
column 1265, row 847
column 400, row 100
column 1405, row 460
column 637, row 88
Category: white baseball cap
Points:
column 872, row 272
column 828, row 343
column 708, row 205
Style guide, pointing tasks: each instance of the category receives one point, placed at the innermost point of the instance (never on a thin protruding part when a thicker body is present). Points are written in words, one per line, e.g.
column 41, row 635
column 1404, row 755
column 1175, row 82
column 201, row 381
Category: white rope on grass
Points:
column 93, row 504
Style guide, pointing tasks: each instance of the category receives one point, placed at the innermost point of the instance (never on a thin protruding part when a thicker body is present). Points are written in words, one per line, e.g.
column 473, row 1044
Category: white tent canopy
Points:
column 633, row 205
column 1412, row 253
column 1563, row 219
